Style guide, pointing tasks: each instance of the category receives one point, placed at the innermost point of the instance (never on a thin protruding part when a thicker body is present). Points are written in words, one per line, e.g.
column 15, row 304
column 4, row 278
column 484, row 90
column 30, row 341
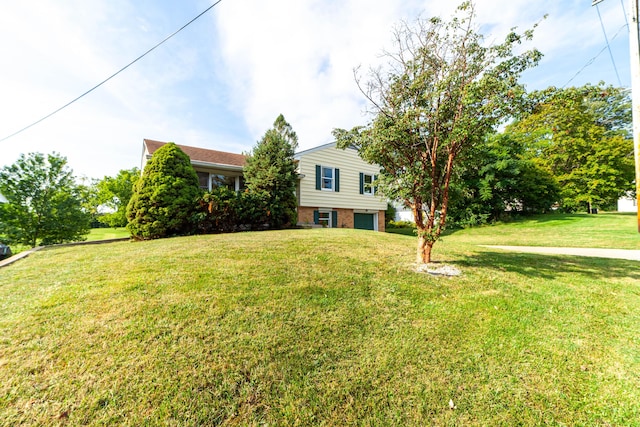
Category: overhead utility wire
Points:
column 624, row 12
column 111, row 76
column 589, row 62
column 608, row 45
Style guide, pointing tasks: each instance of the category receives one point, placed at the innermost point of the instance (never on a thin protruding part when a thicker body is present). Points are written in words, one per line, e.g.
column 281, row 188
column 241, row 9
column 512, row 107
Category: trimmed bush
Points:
column 223, row 210
column 165, row 197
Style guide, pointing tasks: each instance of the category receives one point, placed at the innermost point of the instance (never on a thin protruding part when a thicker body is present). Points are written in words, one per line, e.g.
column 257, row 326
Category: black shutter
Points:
column 316, row 217
column 361, row 183
column 334, row 219
column 337, row 173
column 318, row 177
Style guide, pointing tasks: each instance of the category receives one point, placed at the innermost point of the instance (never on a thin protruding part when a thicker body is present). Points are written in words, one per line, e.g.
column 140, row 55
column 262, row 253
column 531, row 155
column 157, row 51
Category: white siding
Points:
column 350, row 165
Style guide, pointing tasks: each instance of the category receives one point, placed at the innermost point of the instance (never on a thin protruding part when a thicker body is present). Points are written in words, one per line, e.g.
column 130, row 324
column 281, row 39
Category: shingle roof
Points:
column 202, row 154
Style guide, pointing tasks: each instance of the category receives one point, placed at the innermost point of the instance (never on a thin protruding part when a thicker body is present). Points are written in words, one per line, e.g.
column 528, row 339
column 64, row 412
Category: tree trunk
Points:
column 423, row 253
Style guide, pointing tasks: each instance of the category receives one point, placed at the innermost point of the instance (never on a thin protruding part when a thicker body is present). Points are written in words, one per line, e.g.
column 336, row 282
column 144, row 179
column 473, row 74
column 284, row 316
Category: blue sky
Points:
column 222, row 81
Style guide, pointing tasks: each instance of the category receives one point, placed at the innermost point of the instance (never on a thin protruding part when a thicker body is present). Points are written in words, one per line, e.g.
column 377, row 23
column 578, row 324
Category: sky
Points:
column 221, row 82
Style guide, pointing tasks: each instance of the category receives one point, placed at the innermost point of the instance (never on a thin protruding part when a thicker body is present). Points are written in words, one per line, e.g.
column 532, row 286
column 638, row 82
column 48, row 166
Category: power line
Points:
column 608, row 45
column 113, row 75
column 624, row 12
column 589, row 62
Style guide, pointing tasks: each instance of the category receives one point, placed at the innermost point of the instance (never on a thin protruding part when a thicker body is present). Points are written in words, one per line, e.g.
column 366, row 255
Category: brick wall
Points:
column 345, row 217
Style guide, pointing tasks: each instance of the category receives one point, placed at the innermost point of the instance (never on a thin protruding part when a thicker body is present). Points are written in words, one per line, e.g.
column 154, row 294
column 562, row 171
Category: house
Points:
column 628, row 204
column 334, row 186
column 214, row 168
column 335, row 189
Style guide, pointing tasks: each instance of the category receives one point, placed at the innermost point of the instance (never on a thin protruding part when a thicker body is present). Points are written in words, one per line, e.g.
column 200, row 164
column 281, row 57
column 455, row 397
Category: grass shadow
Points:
column 551, row 266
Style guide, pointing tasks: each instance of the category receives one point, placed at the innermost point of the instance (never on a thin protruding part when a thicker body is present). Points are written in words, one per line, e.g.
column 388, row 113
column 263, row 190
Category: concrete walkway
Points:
column 629, row 254
column 26, row 253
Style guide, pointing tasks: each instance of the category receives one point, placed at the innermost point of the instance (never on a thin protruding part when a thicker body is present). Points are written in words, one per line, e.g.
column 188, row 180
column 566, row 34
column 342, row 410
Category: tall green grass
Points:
column 316, row 327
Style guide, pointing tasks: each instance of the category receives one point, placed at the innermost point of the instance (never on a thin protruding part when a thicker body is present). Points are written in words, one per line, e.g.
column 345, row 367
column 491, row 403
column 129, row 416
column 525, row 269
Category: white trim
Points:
column 312, row 150
column 322, row 178
column 216, row 166
column 329, row 212
column 371, row 188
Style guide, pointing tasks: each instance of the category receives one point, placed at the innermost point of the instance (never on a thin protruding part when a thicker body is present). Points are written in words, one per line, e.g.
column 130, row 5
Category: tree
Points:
column 442, row 91
column 270, row 172
column 165, row 197
column 114, row 194
column 583, row 136
column 43, row 201
column 496, row 176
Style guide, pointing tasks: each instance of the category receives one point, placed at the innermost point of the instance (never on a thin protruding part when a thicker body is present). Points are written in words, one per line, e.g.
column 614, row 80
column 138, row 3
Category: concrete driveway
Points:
column 629, row 254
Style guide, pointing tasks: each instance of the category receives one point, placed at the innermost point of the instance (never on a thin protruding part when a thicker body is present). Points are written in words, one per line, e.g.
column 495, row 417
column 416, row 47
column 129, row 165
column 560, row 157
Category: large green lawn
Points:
column 107, row 233
column 321, row 327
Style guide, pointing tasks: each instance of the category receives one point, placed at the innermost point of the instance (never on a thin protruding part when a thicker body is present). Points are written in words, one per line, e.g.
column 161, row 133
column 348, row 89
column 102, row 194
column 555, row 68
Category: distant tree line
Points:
column 571, row 150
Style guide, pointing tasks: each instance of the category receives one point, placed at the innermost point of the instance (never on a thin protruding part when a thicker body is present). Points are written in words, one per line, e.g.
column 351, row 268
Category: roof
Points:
column 204, row 155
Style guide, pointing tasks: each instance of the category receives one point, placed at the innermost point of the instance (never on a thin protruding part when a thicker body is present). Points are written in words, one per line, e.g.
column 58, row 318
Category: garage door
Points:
column 363, row 221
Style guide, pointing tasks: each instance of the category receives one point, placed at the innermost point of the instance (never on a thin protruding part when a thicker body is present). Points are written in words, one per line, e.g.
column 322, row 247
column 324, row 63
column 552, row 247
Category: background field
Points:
column 107, row 233
column 324, row 327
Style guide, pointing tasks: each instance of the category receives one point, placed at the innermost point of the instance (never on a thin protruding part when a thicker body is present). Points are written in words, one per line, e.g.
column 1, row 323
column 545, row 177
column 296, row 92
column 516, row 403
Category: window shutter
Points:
column 318, row 177
column 334, row 218
column 361, row 183
column 375, row 189
column 316, row 217
column 337, row 179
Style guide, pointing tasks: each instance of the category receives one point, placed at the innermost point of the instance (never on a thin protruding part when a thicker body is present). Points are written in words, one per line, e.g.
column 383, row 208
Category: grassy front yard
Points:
column 319, row 327
column 107, row 233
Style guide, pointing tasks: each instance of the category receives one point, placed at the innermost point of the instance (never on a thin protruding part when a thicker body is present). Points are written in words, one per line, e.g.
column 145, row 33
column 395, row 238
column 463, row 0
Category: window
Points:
column 367, row 187
column 324, row 219
column 366, row 184
column 223, row 181
column 327, row 178
column 203, row 179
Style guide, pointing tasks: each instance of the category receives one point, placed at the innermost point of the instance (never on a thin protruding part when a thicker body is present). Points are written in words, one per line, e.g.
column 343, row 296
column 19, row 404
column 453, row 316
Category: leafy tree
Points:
column 270, row 172
column 495, row 176
column 583, row 136
column 43, row 202
column 165, row 197
column 114, row 193
column 442, row 91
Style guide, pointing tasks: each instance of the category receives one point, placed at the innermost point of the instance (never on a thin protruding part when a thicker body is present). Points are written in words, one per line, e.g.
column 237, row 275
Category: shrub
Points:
column 223, row 210
column 165, row 197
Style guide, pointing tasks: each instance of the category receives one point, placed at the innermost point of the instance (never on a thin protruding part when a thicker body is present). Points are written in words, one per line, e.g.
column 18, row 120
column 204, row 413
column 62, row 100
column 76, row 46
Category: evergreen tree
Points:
column 165, row 196
column 270, row 173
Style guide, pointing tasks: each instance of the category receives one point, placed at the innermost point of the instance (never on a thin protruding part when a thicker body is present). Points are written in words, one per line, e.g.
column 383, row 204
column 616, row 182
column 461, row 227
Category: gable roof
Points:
column 311, row 150
column 334, row 144
column 202, row 155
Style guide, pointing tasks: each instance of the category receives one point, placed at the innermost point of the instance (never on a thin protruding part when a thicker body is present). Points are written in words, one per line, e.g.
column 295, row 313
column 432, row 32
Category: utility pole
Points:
column 634, row 50
column 634, row 61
